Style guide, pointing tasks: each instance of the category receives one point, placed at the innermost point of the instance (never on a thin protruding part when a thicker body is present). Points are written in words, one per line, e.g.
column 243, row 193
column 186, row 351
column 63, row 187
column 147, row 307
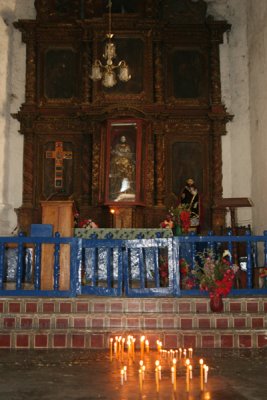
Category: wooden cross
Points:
column 59, row 155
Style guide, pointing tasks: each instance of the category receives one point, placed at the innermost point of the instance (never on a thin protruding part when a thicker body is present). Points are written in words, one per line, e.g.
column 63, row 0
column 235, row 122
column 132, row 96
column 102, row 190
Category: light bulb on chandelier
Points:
column 107, row 72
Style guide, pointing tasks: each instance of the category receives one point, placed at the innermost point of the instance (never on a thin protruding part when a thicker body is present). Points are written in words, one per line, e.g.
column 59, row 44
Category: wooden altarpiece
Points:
column 173, row 99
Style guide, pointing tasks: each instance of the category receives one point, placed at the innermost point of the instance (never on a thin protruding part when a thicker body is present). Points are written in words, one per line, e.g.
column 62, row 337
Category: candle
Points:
column 174, row 361
column 191, row 371
column 157, row 378
column 206, row 370
column 187, row 377
column 185, row 353
column 201, row 374
column 159, row 371
column 172, row 371
column 190, row 352
column 111, row 348
column 142, row 341
column 122, row 376
column 147, row 346
column 125, row 372
column 140, row 380
column 180, row 353
column 143, row 371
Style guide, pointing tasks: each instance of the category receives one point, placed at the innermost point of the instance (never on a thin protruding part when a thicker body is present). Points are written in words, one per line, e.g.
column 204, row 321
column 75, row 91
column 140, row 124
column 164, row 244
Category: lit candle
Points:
column 201, row 374
column 111, row 348
column 185, row 353
column 159, row 370
column 187, row 377
column 122, row 376
column 147, row 346
column 180, row 353
column 206, row 370
column 142, row 341
column 143, row 371
column 125, row 372
column 174, row 361
column 140, row 380
column 190, row 352
column 191, row 371
column 157, row 378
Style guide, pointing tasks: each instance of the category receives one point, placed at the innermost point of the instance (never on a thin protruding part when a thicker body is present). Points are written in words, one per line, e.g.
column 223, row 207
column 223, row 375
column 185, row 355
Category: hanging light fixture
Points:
column 106, row 72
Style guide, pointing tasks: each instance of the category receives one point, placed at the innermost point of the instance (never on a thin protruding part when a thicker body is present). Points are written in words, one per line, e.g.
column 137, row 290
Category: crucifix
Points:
column 59, row 155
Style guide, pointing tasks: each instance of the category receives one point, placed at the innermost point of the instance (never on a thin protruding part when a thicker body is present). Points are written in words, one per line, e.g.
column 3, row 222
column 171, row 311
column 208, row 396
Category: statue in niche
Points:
column 190, row 199
column 122, row 172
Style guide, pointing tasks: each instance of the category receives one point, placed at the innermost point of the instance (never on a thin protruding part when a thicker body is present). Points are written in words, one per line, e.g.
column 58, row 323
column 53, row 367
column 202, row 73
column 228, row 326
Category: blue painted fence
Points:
column 135, row 268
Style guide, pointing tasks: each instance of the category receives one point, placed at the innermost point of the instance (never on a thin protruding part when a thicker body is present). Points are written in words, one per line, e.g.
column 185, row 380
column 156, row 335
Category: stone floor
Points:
column 91, row 375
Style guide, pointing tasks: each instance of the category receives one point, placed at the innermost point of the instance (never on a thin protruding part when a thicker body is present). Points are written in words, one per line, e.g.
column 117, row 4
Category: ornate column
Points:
column 86, row 87
column 160, row 165
column 158, row 82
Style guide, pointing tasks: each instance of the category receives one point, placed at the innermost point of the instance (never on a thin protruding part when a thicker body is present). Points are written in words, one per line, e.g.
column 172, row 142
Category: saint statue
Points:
column 122, row 172
column 190, row 199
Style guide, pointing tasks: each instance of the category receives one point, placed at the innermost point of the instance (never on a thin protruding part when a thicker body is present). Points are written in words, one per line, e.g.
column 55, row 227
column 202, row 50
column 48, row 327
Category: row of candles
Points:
column 182, row 356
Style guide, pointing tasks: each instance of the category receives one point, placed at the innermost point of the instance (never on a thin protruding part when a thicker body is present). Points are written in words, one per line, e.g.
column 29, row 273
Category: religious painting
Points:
column 60, row 74
column 189, row 74
column 123, row 162
column 57, row 170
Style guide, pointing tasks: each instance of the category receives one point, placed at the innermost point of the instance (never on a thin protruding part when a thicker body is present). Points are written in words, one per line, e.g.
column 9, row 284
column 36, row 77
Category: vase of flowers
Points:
column 216, row 275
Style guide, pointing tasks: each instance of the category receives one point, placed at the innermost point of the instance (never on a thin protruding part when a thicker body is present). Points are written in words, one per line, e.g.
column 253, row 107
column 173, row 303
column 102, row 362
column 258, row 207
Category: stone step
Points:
column 128, row 321
column 99, row 339
column 195, row 305
column 89, row 322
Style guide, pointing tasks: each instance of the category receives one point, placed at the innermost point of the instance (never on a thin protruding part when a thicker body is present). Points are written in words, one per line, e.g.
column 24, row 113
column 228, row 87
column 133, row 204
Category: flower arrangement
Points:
column 87, row 223
column 163, row 270
column 215, row 274
column 179, row 218
column 84, row 223
column 187, row 278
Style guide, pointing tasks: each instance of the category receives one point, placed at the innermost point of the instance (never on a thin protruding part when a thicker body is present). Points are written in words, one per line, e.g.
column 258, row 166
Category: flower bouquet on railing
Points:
column 187, row 277
column 216, row 275
column 85, row 223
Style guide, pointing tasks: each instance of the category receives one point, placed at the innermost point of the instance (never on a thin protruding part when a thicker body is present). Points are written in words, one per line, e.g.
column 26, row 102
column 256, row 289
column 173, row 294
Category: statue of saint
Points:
column 122, row 172
column 190, row 198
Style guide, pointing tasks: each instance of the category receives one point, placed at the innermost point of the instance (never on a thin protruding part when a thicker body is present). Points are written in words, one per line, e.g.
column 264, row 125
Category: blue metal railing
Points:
column 136, row 268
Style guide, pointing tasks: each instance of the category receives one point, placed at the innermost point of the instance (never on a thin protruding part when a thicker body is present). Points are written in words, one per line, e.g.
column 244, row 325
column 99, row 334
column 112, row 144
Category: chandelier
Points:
column 107, row 72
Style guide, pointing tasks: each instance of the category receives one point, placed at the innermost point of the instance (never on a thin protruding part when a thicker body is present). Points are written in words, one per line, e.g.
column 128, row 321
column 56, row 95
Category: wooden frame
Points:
column 124, row 160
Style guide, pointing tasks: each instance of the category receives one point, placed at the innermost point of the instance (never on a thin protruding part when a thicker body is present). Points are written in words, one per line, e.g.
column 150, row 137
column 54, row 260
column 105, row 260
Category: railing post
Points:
column 230, row 245
column 249, row 263
column 211, row 244
column 20, row 263
column 265, row 248
column 56, row 263
column 2, row 260
column 37, row 267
